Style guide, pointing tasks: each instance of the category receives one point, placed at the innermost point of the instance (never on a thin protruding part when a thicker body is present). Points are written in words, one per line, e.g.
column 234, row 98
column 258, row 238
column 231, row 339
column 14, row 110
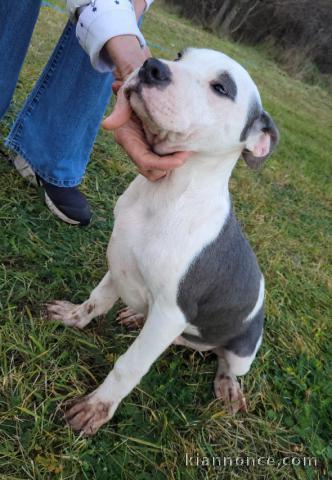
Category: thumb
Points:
column 121, row 113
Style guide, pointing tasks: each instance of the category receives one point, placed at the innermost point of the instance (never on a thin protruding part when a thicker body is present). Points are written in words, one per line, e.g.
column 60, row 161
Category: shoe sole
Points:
column 58, row 212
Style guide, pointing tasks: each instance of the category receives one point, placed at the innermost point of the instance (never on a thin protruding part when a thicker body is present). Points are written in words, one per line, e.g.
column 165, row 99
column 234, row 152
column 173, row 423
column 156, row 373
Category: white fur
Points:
column 192, row 330
column 241, row 365
column 259, row 302
column 162, row 326
column 160, row 227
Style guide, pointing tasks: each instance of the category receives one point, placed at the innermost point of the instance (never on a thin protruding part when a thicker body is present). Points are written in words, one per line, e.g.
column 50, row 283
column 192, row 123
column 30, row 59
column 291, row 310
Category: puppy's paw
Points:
column 67, row 313
column 228, row 389
column 87, row 414
column 129, row 318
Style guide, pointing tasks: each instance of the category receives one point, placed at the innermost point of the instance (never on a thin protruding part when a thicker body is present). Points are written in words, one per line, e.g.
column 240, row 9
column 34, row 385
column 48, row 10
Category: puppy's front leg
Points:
column 101, row 300
column 162, row 326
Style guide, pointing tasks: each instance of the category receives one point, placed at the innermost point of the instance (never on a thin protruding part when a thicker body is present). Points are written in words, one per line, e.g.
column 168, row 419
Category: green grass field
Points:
column 286, row 212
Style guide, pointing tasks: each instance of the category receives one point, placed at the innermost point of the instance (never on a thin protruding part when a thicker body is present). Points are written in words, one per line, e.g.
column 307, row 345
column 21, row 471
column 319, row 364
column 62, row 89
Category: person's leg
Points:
column 17, row 21
column 57, row 126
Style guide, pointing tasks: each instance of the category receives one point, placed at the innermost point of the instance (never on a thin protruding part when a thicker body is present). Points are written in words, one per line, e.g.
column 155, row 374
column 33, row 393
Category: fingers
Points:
column 151, row 161
column 121, row 113
column 153, row 175
column 168, row 163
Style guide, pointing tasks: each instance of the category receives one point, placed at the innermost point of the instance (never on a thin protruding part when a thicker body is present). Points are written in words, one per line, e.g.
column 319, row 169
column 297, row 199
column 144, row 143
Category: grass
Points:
column 285, row 210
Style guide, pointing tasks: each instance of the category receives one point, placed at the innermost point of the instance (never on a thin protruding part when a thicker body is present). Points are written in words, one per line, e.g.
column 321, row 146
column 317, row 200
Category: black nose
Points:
column 155, row 72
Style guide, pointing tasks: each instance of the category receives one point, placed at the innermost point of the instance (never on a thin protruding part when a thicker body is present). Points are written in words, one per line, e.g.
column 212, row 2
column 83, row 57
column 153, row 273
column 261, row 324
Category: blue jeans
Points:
column 57, row 126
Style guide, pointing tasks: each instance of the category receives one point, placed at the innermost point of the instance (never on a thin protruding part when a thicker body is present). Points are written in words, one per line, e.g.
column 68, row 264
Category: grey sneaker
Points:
column 24, row 169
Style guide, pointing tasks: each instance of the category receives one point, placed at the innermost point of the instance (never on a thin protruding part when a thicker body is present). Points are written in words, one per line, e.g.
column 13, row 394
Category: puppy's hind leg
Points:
column 101, row 300
column 231, row 364
column 226, row 386
column 235, row 359
column 129, row 318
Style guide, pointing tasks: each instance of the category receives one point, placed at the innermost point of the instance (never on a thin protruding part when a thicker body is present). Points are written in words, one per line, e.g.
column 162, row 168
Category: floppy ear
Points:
column 262, row 139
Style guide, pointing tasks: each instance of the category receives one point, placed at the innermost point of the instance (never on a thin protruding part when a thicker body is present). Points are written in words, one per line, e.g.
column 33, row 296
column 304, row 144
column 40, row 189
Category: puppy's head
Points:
column 203, row 102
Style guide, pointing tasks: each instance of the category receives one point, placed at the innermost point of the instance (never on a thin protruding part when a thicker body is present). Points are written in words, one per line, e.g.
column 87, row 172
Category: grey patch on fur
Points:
column 244, row 345
column 254, row 113
column 220, row 289
column 228, row 83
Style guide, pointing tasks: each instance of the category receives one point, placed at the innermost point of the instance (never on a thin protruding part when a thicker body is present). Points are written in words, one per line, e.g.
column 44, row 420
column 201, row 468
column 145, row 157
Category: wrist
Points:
column 102, row 20
column 126, row 54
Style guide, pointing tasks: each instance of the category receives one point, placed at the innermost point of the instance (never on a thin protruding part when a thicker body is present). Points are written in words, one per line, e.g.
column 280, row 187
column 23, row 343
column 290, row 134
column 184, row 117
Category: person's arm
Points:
column 99, row 21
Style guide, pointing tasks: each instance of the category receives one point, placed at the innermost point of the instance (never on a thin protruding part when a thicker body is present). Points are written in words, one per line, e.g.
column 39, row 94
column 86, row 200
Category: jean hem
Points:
column 54, row 181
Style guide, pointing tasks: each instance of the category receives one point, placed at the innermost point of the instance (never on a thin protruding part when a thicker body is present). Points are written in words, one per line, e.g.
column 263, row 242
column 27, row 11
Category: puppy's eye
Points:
column 178, row 57
column 220, row 89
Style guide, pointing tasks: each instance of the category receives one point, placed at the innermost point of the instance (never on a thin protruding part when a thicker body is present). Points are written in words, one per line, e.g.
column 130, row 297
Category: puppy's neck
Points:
column 204, row 174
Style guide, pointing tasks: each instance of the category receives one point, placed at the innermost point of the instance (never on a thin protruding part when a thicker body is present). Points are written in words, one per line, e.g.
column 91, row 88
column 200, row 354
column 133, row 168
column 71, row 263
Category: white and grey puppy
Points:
column 177, row 256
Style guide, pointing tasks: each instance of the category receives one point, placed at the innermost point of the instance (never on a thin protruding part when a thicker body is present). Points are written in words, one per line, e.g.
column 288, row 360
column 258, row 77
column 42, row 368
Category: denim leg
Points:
column 57, row 126
column 17, row 21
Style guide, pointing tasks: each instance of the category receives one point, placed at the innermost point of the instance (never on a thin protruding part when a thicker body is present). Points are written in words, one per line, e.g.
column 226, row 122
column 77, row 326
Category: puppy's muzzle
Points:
column 155, row 73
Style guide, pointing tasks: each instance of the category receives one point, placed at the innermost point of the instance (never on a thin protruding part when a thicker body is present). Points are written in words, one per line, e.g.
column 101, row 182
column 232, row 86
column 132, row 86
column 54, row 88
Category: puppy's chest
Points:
column 156, row 238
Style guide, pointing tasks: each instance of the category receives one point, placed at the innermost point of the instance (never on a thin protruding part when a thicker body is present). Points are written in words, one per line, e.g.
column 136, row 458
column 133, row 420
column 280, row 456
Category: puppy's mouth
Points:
column 134, row 93
column 153, row 101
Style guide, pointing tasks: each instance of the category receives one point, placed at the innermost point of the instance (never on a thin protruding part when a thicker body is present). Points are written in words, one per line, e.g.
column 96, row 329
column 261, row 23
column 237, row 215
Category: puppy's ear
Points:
column 262, row 139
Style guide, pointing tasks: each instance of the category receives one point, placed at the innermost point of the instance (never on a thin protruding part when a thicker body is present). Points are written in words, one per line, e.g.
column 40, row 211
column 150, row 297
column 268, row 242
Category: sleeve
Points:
column 104, row 19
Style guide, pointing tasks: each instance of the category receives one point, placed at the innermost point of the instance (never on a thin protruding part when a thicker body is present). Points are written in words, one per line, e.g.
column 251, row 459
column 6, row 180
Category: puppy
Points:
column 177, row 256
